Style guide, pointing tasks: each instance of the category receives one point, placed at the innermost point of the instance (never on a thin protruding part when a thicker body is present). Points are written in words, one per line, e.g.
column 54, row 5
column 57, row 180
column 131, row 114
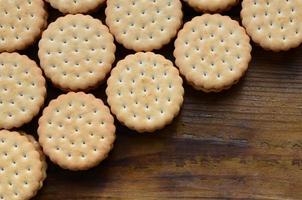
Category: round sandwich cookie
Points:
column 22, row 166
column 22, row 90
column 76, row 6
column 212, row 52
column 21, row 23
column 145, row 91
column 212, row 5
column 76, row 52
column 144, row 25
column 76, row 131
column 273, row 24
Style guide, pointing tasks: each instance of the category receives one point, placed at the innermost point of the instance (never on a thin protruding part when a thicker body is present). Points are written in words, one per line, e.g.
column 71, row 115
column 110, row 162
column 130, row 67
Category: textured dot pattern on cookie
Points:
column 21, row 22
column 22, row 90
column 21, row 167
column 76, row 52
column 212, row 52
column 145, row 91
column 42, row 156
column 144, row 25
column 211, row 5
column 76, row 131
column 273, row 24
column 75, row 6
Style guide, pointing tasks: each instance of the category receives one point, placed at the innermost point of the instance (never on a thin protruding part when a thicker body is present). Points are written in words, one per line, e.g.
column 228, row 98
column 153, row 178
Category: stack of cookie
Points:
column 144, row 90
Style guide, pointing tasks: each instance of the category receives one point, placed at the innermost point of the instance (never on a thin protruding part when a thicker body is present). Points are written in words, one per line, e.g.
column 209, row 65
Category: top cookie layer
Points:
column 22, row 90
column 212, row 52
column 76, row 131
column 21, row 167
column 21, row 22
column 145, row 91
column 76, row 52
column 274, row 24
column 144, row 25
column 75, row 6
column 211, row 5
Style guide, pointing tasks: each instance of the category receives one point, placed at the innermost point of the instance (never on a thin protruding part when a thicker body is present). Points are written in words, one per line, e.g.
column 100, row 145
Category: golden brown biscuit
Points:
column 21, row 169
column 22, row 90
column 21, row 23
column 144, row 25
column 273, row 24
column 75, row 6
column 212, row 52
column 145, row 91
column 76, row 131
column 211, row 5
column 76, row 52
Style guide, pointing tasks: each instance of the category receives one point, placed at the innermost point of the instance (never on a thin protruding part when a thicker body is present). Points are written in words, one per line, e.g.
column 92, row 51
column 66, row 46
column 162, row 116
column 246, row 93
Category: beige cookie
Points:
column 144, row 25
column 76, row 131
column 273, row 24
column 21, row 23
column 211, row 5
column 42, row 156
column 22, row 90
column 75, row 6
column 145, row 91
column 22, row 169
column 76, row 52
column 212, row 52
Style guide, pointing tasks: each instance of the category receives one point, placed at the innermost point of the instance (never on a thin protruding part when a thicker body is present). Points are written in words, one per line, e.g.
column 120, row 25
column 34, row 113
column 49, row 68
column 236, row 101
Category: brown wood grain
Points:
column 244, row 143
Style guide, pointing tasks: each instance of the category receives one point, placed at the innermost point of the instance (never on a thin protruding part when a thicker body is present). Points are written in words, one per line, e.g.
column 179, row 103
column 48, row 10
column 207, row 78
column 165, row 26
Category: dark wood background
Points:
column 244, row 143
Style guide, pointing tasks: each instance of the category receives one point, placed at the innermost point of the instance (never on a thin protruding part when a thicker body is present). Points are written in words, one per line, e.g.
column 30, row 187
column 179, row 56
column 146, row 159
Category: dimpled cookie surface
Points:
column 76, row 52
column 144, row 25
column 22, row 90
column 76, row 131
column 21, row 22
column 145, row 91
column 212, row 52
column 273, row 24
column 21, row 167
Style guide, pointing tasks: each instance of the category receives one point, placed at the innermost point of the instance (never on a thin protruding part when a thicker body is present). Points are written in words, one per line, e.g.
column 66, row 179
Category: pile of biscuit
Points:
column 144, row 90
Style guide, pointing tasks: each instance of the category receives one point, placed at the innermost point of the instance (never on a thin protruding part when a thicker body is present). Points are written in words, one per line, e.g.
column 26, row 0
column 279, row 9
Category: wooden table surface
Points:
column 244, row 143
